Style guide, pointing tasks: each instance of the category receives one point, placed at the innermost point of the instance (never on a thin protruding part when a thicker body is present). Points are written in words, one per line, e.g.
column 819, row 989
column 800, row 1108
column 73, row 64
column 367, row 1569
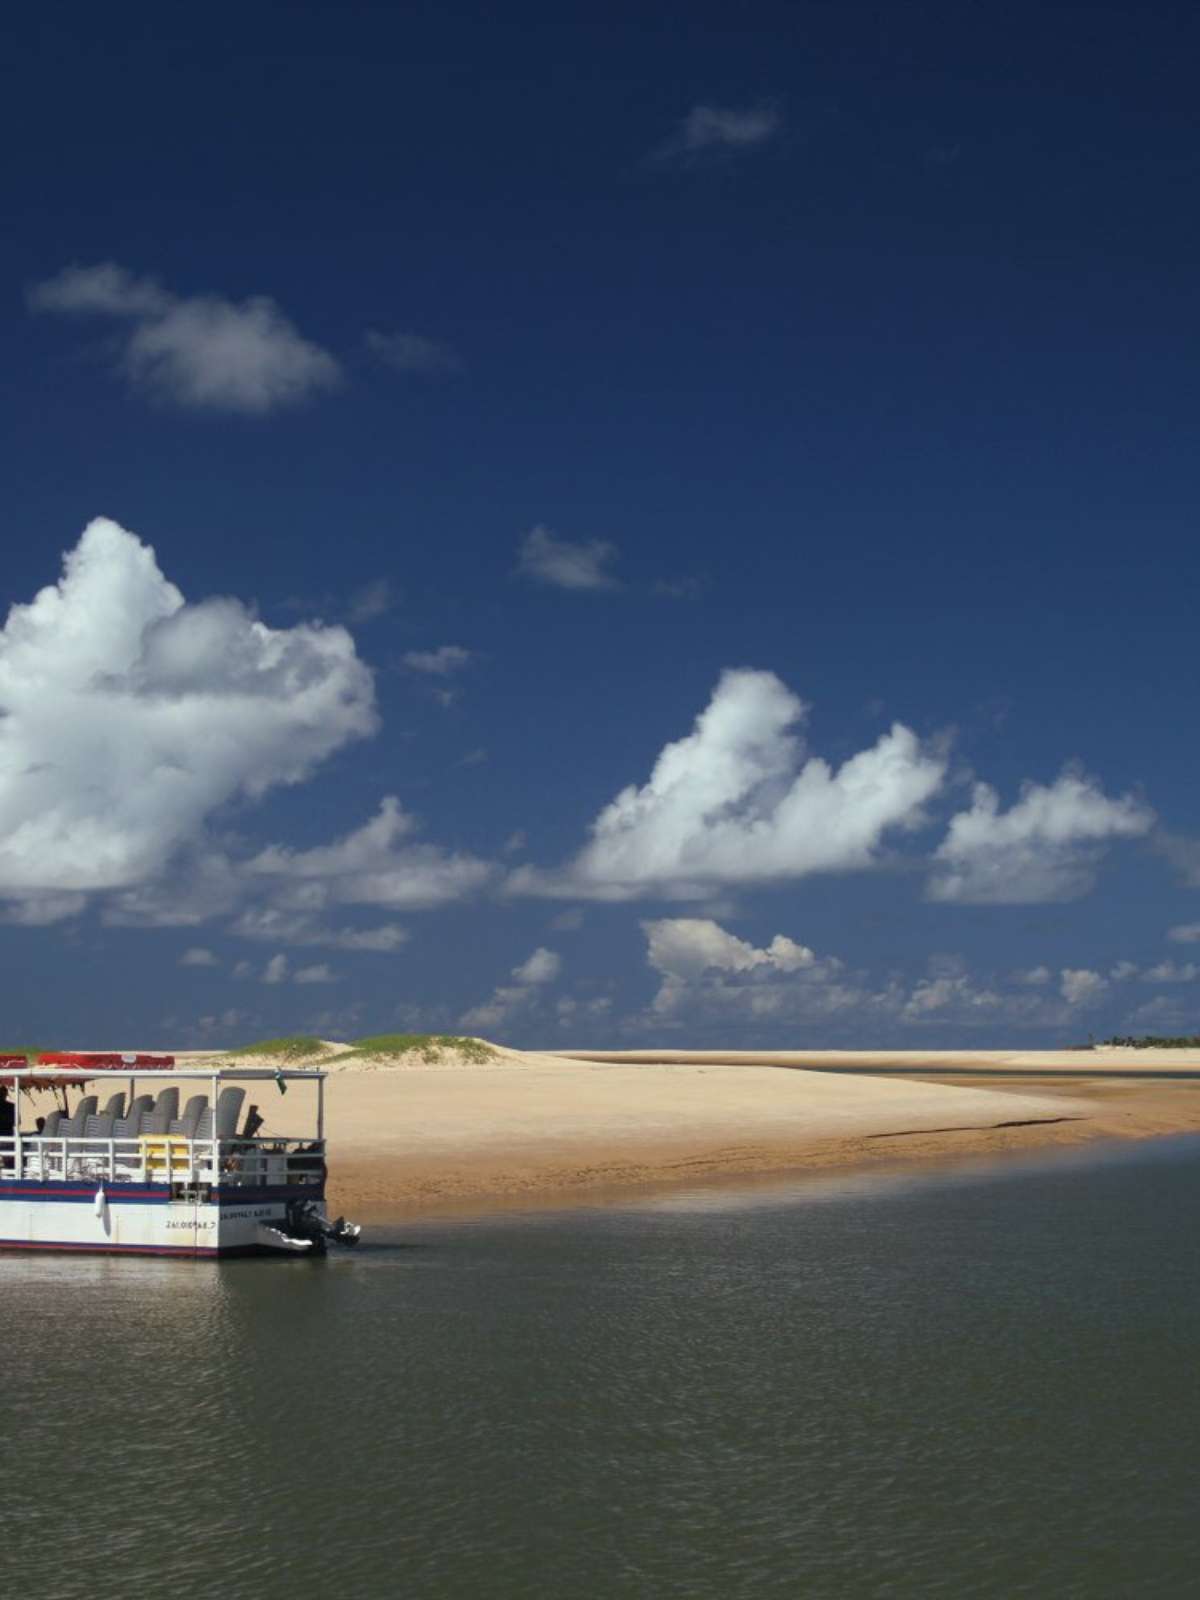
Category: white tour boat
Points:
column 139, row 1175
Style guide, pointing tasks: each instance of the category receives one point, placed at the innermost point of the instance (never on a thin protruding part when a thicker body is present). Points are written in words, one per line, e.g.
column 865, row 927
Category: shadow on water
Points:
column 972, row 1380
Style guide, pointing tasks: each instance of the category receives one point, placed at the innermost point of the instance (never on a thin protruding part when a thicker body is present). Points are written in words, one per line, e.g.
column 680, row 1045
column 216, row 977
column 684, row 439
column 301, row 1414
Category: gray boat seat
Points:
column 229, row 1105
column 229, row 1109
column 166, row 1109
column 50, row 1130
column 115, row 1106
column 71, row 1127
column 185, row 1126
column 129, row 1127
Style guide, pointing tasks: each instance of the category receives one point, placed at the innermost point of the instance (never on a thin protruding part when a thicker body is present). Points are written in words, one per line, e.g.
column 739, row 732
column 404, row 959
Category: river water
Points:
column 979, row 1382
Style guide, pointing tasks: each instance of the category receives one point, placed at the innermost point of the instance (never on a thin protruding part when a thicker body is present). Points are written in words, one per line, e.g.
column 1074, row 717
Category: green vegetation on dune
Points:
column 1154, row 1041
column 292, row 1047
column 429, row 1046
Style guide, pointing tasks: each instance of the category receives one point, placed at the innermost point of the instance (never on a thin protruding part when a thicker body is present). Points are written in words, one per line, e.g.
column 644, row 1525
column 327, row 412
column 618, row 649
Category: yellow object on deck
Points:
column 164, row 1152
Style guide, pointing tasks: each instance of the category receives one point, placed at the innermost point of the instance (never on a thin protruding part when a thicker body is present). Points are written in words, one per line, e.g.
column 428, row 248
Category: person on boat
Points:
column 8, row 1120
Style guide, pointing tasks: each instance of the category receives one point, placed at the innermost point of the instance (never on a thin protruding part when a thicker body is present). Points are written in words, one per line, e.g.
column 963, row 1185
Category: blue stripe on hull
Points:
column 246, row 1196
column 72, row 1194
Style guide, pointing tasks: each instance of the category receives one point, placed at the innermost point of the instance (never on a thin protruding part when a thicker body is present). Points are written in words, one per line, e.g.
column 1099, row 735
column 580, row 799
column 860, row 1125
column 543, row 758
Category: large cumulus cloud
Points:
column 128, row 716
column 737, row 802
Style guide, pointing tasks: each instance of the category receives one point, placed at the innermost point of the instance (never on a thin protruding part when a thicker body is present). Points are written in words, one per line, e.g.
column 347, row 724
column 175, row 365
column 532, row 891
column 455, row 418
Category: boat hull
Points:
column 66, row 1217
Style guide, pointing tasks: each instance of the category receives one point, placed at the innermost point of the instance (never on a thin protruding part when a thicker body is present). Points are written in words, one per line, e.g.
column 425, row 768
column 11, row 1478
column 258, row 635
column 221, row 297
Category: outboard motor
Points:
column 304, row 1221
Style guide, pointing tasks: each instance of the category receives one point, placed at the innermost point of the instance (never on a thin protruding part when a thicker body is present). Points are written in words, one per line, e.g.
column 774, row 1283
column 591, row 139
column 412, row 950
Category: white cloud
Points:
column 412, row 352
column 1172, row 972
column 277, row 926
column 701, row 963
column 1044, row 848
column 737, row 802
column 372, row 600
column 542, row 967
column 1183, row 854
column 197, row 956
column 958, row 994
column 230, row 1018
column 1081, row 987
column 443, row 661
column 370, row 866
column 708, row 129
column 128, row 716
column 564, row 565
column 320, row 973
column 276, row 970
column 569, row 1011
column 688, row 946
column 1165, row 1014
column 1185, row 933
column 201, row 352
column 40, row 910
column 1123, row 971
column 708, row 975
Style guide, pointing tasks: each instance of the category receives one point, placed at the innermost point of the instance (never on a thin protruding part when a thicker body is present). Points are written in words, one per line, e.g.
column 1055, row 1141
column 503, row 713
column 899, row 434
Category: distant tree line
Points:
column 1154, row 1041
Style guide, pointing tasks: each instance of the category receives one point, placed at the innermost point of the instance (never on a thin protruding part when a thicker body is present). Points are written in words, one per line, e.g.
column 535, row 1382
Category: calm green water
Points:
column 980, row 1384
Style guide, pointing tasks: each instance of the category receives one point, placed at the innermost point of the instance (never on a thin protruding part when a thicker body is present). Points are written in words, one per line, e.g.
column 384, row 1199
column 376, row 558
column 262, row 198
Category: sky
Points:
column 668, row 525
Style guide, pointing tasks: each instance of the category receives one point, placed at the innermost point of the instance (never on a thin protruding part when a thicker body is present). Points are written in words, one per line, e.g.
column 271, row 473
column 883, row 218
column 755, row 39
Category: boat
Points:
column 143, row 1177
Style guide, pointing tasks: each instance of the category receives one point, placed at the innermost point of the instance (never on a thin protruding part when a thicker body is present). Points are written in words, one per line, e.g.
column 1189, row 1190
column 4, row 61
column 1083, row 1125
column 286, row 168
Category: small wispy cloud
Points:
column 413, row 352
column 440, row 663
column 279, row 926
column 710, row 130
column 278, row 970
column 684, row 588
column 563, row 565
column 372, row 600
column 198, row 957
column 320, row 973
column 199, row 352
column 528, row 978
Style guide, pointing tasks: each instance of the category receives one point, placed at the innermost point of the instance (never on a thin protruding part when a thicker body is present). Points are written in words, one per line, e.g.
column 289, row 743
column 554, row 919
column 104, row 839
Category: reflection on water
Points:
column 978, row 1383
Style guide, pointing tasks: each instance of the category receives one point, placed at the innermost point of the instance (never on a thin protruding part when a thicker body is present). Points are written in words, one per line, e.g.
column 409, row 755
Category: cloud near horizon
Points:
column 706, row 973
column 199, row 352
column 737, row 802
column 529, row 977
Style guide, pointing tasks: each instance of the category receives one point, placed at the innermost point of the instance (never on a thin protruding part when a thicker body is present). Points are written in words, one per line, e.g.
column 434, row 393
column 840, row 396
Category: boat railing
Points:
column 165, row 1158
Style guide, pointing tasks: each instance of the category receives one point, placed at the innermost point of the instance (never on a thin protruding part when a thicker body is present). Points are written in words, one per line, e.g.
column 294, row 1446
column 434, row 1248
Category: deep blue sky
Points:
column 894, row 399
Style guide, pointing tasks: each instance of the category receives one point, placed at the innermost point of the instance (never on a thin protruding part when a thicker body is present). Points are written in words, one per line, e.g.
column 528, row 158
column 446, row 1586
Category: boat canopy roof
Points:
column 16, row 1067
